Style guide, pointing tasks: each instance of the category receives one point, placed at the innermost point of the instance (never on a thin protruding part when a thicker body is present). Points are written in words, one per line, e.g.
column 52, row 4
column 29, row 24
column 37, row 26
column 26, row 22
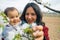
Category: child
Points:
column 12, row 29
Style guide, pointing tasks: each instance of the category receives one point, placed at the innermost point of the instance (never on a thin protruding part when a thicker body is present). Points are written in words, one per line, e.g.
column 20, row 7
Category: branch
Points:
column 47, row 7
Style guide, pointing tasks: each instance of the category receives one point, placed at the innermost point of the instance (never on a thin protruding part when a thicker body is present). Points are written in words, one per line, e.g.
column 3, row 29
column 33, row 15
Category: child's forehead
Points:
column 12, row 13
column 12, row 10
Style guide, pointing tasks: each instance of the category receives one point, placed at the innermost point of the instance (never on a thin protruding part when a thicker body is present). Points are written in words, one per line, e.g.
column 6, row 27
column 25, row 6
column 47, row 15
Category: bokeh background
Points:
column 51, row 18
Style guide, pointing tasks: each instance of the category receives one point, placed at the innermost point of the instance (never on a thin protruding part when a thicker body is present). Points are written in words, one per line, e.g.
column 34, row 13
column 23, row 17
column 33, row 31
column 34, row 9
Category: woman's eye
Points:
column 27, row 13
column 32, row 14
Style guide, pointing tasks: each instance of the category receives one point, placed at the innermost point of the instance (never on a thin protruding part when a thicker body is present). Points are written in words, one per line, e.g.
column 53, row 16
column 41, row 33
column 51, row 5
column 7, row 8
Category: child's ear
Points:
column 19, row 15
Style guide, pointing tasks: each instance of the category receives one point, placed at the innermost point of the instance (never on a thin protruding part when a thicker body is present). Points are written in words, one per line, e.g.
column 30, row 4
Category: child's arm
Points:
column 3, row 34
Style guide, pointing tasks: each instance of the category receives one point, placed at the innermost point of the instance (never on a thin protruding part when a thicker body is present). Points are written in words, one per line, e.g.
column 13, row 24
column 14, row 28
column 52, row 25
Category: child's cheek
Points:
column 19, row 20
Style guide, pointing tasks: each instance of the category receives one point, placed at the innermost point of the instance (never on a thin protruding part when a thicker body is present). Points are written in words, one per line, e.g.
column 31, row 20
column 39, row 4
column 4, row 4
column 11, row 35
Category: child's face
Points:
column 13, row 17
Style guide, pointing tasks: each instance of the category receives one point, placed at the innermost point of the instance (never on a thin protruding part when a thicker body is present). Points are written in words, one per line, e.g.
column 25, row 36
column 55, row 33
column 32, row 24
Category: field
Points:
column 53, row 23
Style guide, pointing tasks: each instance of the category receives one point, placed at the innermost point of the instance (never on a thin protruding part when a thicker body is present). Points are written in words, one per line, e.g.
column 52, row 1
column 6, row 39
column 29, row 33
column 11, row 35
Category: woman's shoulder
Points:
column 43, row 24
column 45, row 28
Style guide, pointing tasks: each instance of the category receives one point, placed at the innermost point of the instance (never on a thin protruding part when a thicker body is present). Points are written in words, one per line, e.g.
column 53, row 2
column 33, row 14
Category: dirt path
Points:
column 53, row 24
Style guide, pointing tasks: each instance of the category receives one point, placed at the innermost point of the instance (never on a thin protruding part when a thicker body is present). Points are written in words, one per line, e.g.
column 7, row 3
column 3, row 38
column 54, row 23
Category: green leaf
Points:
column 17, row 37
column 28, row 30
column 1, row 26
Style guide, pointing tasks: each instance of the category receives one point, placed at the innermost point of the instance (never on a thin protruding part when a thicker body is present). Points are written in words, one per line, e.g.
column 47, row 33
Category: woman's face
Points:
column 30, row 15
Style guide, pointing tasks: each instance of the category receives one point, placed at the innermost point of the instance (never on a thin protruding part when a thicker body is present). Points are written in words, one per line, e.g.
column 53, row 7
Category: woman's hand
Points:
column 39, row 35
column 38, row 32
column 40, row 28
column 39, row 38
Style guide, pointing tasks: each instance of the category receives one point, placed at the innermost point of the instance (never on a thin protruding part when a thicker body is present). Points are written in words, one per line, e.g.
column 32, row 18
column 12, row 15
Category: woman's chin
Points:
column 30, row 22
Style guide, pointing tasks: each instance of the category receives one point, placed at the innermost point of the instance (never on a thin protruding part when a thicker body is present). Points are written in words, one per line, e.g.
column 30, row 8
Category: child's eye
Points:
column 12, row 17
column 16, row 16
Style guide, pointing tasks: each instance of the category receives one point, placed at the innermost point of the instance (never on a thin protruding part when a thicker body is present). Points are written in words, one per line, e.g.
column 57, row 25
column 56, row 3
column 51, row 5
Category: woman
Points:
column 32, row 14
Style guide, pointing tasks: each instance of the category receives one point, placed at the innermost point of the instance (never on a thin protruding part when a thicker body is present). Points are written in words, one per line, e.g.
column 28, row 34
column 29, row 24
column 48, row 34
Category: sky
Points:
column 20, row 4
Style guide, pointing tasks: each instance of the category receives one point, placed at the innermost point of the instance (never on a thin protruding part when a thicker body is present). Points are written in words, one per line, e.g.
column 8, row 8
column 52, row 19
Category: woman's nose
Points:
column 29, row 16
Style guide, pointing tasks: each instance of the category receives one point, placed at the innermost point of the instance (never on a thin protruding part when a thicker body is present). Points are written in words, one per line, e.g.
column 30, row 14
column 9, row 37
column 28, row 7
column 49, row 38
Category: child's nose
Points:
column 15, row 18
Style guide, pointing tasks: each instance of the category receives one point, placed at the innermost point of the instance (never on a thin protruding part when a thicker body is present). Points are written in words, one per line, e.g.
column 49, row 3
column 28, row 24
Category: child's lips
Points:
column 15, row 23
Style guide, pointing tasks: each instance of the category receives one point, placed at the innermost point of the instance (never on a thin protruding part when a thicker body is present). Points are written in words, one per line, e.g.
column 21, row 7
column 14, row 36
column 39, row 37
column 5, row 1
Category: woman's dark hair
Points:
column 37, row 11
column 9, row 9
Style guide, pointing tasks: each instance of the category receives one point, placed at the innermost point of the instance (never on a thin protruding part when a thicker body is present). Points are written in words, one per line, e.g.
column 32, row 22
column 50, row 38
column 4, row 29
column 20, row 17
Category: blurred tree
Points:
column 40, row 2
column 4, row 17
